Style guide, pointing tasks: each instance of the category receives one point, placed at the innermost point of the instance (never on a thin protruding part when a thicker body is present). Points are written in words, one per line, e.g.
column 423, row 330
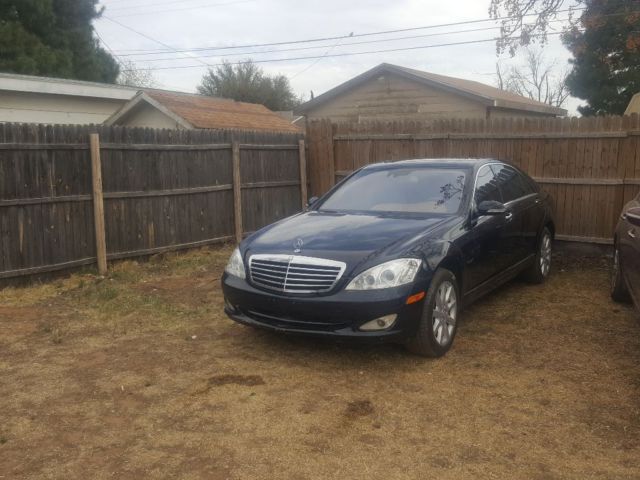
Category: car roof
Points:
column 435, row 162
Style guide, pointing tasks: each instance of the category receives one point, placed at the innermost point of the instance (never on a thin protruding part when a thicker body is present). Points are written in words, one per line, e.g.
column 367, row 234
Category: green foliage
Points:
column 606, row 56
column 53, row 38
column 248, row 83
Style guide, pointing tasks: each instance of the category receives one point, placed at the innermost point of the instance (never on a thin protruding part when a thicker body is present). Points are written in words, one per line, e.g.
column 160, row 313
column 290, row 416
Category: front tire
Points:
column 439, row 321
column 619, row 291
column 539, row 271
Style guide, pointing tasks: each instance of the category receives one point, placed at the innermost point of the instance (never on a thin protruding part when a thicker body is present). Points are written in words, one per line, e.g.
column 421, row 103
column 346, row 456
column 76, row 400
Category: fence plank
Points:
column 237, row 194
column 98, row 204
column 303, row 174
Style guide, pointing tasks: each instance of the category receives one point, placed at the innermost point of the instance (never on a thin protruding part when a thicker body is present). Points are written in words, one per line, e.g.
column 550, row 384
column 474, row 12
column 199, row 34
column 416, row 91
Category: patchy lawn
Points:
column 140, row 375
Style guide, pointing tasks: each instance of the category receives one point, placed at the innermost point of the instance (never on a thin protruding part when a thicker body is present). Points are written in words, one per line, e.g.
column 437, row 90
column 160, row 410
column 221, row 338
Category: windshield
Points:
column 400, row 189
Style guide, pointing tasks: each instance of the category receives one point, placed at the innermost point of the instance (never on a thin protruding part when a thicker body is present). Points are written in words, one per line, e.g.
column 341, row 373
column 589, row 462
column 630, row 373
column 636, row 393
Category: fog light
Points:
column 381, row 323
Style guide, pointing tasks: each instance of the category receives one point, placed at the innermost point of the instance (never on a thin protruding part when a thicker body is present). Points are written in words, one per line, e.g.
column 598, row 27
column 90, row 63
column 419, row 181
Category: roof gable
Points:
column 477, row 91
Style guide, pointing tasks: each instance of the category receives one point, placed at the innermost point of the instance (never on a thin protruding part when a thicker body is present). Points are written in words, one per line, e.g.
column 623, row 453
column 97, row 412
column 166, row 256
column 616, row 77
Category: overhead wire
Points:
column 321, row 39
column 345, row 54
column 363, row 42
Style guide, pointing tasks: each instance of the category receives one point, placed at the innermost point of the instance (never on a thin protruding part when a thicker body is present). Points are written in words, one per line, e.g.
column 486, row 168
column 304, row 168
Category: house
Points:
column 390, row 92
column 634, row 105
column 29, row 99
column 163, row 109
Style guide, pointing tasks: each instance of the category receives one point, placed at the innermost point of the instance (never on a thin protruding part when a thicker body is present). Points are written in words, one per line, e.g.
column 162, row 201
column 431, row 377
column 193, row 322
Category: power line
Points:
column 115, row 57
column 339, row 44
column 150, row 38
column 316, row 61
column 345, row 54
column 324, row 39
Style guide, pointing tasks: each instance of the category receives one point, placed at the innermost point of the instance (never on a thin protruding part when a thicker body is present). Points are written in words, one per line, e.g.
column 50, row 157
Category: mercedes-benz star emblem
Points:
column 297, row 245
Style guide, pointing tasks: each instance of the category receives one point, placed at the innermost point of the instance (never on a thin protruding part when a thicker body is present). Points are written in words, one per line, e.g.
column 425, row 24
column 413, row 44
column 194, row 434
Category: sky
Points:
column 169, row 36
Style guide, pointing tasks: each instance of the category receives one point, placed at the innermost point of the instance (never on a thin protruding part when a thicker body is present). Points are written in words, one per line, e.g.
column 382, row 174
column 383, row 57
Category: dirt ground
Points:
column 140, row 375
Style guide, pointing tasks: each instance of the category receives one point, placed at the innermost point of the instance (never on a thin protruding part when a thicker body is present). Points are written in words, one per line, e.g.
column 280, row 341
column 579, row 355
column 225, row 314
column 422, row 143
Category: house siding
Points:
column 31, row 107
column 148, row 116
column 392, row 97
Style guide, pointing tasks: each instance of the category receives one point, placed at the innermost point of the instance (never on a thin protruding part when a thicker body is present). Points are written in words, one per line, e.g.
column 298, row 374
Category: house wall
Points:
column 392, row 97
column 634, row 105
column 27, row 107
column 145, row 115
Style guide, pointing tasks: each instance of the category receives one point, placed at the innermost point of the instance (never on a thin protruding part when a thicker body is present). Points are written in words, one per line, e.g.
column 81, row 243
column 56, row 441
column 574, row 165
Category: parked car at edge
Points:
column 394, row 252
column 625, row 280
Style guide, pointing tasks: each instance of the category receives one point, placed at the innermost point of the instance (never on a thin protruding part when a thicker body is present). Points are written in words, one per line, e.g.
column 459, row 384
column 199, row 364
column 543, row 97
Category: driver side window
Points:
column 486, row 186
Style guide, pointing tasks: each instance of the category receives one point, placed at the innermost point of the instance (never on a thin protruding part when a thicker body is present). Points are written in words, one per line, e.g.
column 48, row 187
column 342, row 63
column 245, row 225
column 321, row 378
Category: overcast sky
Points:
column 166, row 25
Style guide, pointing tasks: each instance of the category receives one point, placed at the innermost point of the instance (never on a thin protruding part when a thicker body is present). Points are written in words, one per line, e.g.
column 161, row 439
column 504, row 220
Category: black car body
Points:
column 480, row 220
column 626, row 258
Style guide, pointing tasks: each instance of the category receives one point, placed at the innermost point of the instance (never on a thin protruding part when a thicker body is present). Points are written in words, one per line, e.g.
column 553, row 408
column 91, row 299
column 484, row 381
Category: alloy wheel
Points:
column 545, row 255
column 615, row 269
column 445, row 313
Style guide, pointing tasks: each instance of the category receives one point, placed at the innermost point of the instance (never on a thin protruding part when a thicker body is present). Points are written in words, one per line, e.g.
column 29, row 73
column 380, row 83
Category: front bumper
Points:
column 338, row 315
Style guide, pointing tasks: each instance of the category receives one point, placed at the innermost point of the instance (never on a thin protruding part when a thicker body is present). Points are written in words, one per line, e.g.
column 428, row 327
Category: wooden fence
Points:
column 151, row 191
column 591, row 166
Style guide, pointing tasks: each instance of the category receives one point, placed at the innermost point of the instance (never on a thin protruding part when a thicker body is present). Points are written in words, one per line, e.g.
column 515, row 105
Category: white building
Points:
column 28, row 99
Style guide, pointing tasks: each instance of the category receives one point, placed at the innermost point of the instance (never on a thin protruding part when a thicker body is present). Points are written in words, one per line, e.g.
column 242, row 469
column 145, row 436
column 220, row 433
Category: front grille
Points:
column 295, row 274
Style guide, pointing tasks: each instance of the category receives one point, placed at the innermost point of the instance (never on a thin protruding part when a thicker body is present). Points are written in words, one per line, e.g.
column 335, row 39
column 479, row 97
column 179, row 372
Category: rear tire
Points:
column 619, row 292
column 439, row 321
column 539, row 271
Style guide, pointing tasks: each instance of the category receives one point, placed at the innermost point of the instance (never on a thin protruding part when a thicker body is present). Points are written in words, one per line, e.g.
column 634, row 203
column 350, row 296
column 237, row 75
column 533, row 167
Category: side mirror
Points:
column 633, row 216
column 311, row 201
column 491, row 207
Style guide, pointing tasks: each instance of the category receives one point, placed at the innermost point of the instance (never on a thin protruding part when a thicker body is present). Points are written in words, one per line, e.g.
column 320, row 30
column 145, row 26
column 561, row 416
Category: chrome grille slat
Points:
column 295, row 273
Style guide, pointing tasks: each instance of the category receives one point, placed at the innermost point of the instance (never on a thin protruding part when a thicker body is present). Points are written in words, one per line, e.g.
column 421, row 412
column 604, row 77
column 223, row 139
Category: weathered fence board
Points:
column 162, row 190
column 591, row 166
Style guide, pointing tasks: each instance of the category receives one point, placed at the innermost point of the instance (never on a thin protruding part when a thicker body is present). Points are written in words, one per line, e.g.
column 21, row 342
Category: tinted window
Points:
column 400, row 189
column 486, row 186
column 511, row 183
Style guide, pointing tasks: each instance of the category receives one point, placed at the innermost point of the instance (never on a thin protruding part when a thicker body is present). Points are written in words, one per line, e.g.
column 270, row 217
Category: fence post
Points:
column 98, row 203
column 237, row 193
column 303, row 174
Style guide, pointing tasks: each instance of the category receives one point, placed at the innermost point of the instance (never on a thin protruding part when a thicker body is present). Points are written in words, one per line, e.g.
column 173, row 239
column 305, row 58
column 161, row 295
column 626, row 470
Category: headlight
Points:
column 387, row 275
column 235, row 266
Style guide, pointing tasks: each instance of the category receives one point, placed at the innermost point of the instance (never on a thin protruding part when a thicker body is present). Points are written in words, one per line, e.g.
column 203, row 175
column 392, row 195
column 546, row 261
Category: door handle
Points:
column 508, row 216
column 631, row 233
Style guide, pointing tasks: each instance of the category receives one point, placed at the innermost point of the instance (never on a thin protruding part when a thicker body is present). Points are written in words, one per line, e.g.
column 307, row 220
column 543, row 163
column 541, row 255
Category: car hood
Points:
column 347, row 237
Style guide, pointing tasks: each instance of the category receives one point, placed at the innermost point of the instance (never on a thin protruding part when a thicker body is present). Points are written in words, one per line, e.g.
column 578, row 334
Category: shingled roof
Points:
column 486, row 94
column 205, row 112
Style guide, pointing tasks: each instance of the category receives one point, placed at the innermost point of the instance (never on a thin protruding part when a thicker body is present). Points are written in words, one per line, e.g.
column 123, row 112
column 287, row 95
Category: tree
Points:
column 132, row 76
column 606, row 56
column 54, row 38
column 246, row 82
column 523, row 22
column 535, row 78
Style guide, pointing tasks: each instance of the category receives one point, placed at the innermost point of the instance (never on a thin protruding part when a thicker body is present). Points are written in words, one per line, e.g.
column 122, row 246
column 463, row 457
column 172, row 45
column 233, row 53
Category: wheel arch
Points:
column 454, row 265
column 549, row 223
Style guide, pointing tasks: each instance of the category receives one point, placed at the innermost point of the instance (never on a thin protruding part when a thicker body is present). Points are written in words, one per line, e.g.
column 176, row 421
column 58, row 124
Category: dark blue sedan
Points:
column 394, row 252
column 625, row 283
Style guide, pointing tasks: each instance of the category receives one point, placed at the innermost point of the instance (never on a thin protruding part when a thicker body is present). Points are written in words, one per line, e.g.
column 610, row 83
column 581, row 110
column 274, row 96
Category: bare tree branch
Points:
column 534, row 78
column 514, row 32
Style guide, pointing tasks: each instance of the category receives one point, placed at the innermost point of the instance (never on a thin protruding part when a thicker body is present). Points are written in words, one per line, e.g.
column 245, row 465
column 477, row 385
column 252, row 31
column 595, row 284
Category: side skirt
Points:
column 496, row 281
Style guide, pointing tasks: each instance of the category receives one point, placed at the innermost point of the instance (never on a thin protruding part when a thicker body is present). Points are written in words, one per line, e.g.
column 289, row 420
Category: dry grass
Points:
column 140, row 375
